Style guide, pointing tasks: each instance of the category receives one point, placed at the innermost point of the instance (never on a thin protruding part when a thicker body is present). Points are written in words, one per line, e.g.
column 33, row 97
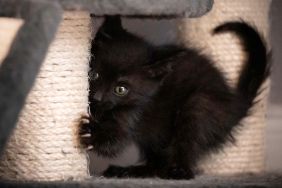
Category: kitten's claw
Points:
column 84, row 115
column 86, row 135
column 89, row 147
column 86, row 132
column 85, row 120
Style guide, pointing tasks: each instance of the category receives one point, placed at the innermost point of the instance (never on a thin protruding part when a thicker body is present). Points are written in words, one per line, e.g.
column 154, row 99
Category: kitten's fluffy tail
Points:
column 257, row 67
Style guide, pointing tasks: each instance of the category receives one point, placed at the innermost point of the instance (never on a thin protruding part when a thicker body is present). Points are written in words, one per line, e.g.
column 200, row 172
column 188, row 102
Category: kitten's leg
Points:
column 141, row 171
column 105, row 138
column 170, row 164
column 201, row 126
column 146, row 171
column 176, row 172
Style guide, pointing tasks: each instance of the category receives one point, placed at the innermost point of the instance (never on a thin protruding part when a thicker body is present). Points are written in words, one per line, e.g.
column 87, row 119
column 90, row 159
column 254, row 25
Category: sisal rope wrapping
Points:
column 247, row 155
column 43, row 147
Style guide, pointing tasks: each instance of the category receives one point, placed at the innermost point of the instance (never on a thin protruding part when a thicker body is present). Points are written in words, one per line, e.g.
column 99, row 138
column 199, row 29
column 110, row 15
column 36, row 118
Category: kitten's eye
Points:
column 120, row 91
column 94, row 75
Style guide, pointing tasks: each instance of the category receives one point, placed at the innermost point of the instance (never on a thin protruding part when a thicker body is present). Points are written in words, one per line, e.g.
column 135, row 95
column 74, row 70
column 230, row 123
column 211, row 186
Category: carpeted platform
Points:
column 243, row 180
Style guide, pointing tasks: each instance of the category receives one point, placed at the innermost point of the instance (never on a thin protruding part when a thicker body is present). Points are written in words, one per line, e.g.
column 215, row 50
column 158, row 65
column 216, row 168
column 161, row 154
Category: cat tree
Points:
column 43, row 146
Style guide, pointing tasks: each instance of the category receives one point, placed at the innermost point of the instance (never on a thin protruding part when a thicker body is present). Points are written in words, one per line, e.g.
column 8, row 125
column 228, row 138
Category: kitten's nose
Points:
column 98, row 96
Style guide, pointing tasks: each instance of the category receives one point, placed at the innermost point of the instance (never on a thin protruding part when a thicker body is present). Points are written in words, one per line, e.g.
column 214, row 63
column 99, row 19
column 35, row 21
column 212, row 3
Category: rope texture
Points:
column 43, row 146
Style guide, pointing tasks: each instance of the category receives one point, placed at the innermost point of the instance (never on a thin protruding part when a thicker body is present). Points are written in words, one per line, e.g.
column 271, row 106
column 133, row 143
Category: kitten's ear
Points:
column 158, row 70
column 111, row 27
column 164, row 59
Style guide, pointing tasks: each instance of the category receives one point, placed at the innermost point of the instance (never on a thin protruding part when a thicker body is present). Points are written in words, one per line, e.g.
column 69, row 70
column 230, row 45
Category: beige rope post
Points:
column 43, row 146
column 247, row 155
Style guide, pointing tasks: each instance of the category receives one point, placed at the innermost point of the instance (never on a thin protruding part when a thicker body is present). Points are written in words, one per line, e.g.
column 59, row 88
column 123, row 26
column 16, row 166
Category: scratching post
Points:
column 247, row 154
column 43, row 146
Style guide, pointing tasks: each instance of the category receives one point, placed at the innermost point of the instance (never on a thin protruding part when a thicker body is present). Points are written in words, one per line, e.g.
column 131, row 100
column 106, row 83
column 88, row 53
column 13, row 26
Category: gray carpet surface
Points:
column 242, row 180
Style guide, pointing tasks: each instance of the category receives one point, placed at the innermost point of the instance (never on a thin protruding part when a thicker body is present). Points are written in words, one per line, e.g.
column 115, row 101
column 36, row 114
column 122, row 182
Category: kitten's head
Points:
column 115, row 47
column 126, row 71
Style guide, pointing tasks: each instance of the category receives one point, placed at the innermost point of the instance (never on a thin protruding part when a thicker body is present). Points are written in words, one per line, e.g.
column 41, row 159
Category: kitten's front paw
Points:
column 114, row 171
column 86, row 132
column 177, row 173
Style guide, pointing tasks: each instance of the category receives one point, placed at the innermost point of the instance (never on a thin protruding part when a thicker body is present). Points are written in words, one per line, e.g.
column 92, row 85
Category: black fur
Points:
column 179, row 107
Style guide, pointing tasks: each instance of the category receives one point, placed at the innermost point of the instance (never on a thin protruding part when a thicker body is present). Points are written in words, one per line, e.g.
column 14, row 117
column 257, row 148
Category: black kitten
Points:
column 170, row 101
